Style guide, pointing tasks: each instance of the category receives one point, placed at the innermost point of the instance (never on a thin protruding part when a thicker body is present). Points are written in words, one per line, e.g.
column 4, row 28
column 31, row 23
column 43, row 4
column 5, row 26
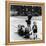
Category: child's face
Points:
column 28, row 25
column 34, row 23
column 19, row 27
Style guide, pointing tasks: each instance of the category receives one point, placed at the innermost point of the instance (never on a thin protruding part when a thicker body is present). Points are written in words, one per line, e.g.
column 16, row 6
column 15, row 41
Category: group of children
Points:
column 25, row 31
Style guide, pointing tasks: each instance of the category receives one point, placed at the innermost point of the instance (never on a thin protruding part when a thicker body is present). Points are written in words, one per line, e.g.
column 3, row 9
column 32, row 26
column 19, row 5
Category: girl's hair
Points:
column 19, row 25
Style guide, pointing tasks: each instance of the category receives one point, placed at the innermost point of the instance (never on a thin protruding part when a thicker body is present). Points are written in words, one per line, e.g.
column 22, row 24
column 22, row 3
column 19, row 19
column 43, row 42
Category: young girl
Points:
column 34, row 28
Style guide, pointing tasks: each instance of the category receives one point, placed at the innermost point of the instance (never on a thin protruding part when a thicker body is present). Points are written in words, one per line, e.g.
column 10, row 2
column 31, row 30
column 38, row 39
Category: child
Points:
column 28, row 28
column 21, row 30
column 26, row 33
column 34, row 30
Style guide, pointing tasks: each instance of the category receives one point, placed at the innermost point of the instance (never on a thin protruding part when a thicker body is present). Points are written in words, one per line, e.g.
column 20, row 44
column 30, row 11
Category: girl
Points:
column 34, row 28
